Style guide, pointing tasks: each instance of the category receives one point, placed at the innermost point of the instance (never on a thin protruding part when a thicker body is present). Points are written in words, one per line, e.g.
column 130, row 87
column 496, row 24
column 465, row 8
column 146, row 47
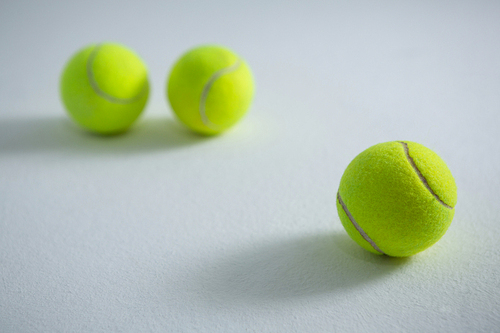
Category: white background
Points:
column 161, row 230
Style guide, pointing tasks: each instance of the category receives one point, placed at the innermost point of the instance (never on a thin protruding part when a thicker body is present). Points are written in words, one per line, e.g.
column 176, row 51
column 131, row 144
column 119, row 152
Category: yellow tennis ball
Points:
column 210, row 88
column 396, row 198
column 105, row 87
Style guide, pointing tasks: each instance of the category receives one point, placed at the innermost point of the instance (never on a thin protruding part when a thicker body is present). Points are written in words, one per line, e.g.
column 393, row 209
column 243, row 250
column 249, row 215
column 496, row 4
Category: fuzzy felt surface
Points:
column 389, row 201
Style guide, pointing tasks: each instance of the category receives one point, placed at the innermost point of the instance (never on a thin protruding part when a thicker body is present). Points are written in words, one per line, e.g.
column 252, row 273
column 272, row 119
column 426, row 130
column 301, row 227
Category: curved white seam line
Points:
column 206, row 89
column 356, row 225
column 422, row 178
column 98, row 91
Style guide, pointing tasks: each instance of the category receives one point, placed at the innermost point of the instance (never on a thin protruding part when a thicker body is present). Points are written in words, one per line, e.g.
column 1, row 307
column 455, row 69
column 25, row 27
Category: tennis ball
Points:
column 104, row 87
column 210, row 88
column 396, row 198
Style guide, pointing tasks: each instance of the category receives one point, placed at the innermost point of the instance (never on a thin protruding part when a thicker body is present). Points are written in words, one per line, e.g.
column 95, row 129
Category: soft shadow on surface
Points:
column 61, row 135
column 312, row 265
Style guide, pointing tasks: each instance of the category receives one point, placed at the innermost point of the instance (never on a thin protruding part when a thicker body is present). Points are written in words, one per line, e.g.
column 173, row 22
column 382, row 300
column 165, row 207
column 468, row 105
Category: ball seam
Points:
column 420, row 175
column 206, row 90
column 357, row 226
column 102, row 93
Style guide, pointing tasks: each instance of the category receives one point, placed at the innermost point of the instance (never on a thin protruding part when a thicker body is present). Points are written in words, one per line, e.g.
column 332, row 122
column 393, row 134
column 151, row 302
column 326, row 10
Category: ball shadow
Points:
column 59, row 134
column 296, row 268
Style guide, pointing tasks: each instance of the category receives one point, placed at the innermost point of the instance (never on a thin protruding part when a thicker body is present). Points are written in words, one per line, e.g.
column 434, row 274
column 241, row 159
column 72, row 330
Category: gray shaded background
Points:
column 162, row 230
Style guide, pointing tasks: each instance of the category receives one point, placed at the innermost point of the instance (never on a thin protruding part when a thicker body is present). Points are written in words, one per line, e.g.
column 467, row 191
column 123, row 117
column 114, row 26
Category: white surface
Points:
column 160, row 230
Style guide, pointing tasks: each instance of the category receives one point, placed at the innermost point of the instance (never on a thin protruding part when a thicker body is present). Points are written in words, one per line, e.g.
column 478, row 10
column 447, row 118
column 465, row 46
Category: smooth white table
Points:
column 160, row 230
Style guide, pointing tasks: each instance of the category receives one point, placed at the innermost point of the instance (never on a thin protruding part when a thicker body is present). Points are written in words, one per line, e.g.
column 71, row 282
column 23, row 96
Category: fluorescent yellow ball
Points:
column 210, row 88
column 104, row 87
column 396, row 198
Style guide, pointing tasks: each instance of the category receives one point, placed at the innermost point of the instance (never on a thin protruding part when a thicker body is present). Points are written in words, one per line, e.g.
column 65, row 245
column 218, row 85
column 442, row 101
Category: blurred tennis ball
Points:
column 104, row 87
column 210, row 88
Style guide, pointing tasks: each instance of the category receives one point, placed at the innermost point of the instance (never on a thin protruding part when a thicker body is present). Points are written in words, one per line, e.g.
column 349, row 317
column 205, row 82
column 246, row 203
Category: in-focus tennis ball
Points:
column 396, row 198
column 104, row 87
column 210, row 88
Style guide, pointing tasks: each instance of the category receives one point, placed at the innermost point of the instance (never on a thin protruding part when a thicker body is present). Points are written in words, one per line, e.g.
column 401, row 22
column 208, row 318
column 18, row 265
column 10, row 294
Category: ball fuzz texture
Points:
column 210, row 88
column 104, row 87
column 396, row 198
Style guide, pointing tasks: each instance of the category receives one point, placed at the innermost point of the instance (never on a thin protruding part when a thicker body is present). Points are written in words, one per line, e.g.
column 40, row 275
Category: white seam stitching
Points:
column 420, row 175
column 99, row 91
column 356, row 225
column 206, row 89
